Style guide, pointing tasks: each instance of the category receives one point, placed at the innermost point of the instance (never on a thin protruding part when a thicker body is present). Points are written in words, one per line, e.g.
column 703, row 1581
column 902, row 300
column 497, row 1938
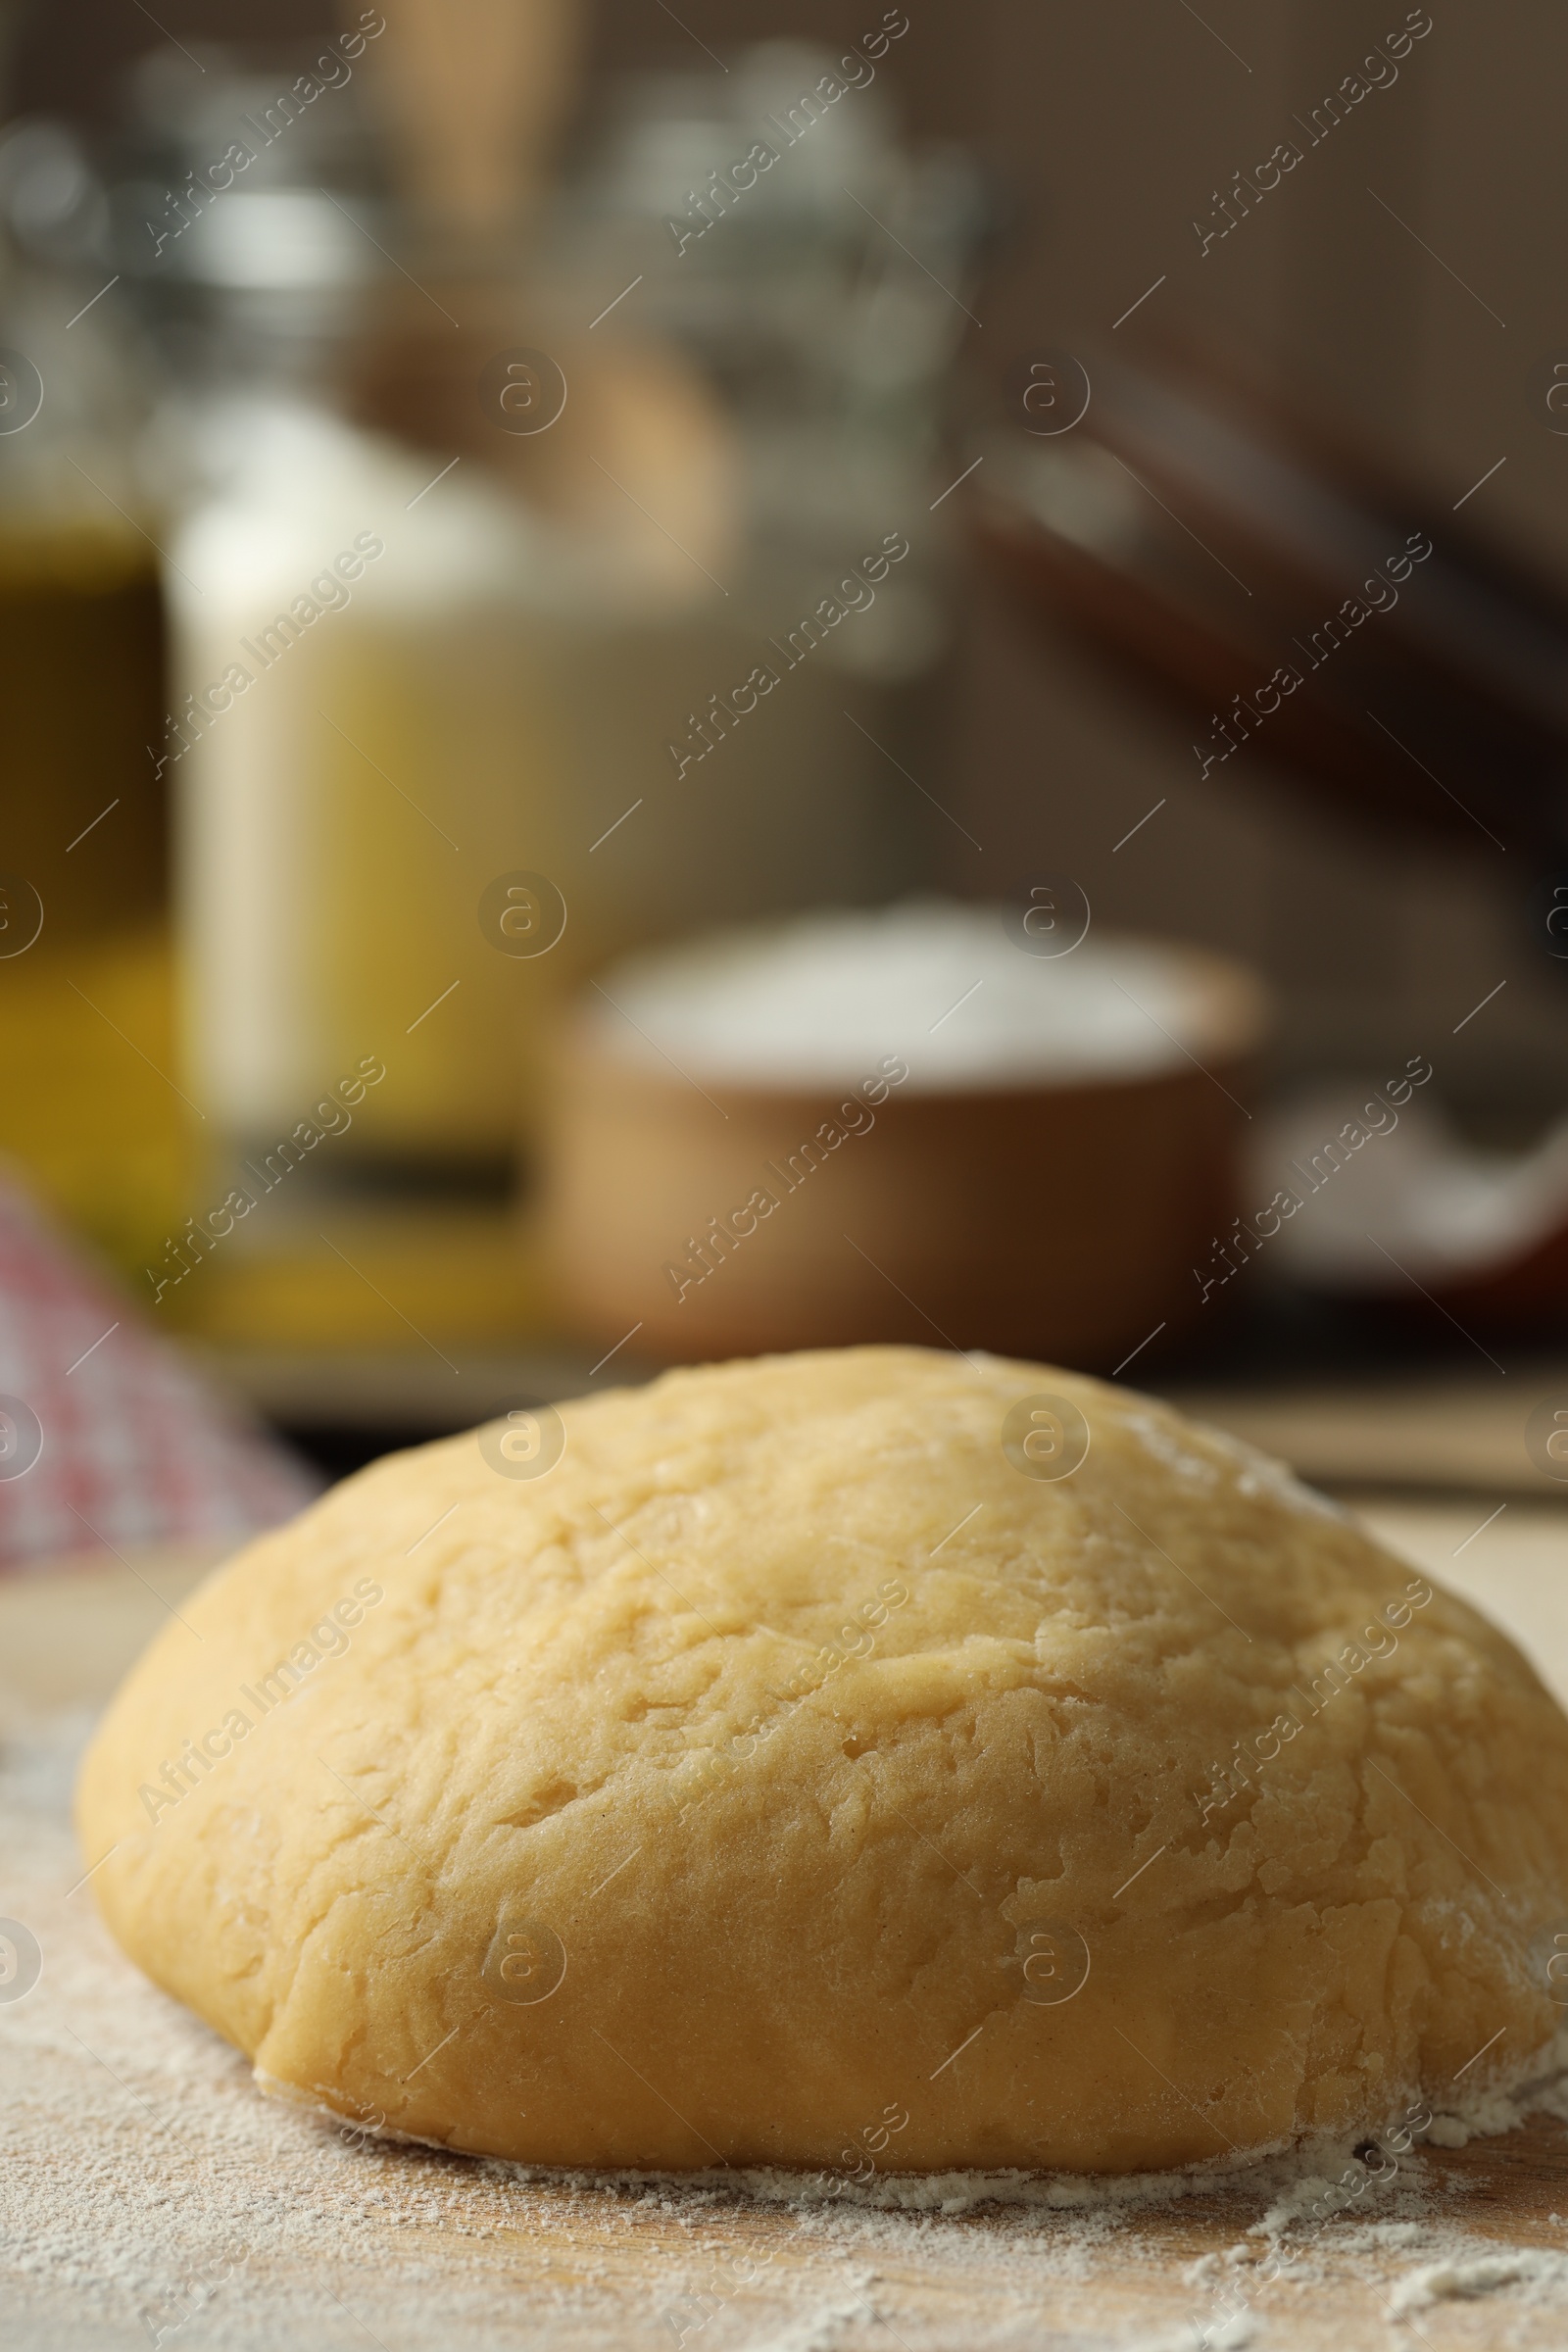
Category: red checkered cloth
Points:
column 107, row 1438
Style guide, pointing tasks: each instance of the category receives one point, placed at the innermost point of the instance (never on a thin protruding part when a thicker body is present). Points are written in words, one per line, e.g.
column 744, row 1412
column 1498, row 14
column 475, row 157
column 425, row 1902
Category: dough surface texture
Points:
column 792, row 1775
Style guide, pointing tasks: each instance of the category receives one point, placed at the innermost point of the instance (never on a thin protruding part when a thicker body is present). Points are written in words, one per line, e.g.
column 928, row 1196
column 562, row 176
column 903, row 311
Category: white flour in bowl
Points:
column 820, row 999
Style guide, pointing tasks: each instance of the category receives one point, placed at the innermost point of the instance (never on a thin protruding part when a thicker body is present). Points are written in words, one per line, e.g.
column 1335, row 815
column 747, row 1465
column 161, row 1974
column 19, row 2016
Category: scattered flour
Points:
column 1260, row 1473
column 1541, row 2274
column 1158, row 1439
column 1254, row 1473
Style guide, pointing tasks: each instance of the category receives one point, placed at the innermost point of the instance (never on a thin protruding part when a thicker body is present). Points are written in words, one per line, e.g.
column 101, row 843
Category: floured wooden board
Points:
column 148, row 2193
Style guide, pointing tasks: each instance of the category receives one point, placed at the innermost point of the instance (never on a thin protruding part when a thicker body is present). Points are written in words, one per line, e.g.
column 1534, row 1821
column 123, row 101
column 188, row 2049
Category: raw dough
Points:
column 791, row 1773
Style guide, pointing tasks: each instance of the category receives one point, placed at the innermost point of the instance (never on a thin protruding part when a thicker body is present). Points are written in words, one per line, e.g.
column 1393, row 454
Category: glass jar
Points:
column 497, row 565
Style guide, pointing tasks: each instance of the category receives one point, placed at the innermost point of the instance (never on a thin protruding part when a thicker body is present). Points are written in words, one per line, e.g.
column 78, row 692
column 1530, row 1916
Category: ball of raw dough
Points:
column 826, row 1761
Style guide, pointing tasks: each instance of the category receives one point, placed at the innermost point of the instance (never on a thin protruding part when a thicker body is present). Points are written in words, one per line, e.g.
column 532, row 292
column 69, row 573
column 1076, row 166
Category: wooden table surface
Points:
column 148, row 2193
column 1452, row 1428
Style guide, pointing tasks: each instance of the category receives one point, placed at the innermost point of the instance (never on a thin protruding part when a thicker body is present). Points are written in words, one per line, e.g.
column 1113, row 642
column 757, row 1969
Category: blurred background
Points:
column 676, row 684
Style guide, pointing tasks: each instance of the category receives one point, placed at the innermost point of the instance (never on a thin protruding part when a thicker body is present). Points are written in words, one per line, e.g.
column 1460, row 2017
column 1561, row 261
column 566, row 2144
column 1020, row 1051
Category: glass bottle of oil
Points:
column 81, row 635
